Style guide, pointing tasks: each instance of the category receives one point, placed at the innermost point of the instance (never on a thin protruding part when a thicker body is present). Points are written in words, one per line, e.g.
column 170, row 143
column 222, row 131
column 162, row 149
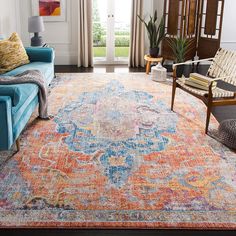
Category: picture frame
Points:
column 50, row 18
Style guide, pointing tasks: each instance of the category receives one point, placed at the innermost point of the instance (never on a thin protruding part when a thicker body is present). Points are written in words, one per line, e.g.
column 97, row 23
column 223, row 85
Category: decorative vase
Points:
column 179, row 71
column 154, row 52
column 159, row 73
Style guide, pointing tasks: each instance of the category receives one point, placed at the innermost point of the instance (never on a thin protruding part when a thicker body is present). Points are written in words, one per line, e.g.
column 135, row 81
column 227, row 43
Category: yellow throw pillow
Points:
column 12, row 54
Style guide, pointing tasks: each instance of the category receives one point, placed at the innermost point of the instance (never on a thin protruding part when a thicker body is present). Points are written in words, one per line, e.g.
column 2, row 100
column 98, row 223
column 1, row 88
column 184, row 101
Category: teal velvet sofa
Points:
column 18, row 102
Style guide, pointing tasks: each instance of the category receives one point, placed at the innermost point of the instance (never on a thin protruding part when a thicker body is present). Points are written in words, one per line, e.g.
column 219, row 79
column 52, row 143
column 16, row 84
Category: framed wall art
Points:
column 51, row 10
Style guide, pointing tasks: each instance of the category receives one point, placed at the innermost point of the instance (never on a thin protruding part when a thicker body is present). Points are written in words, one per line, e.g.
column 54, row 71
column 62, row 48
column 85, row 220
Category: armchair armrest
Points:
column 190, row 62
column 6, row 135
column 223, row 78
column 40, row 54
column 187, row 63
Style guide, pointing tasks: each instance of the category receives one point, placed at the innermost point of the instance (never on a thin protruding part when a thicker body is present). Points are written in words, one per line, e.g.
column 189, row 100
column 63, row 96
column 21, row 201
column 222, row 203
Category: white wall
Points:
column 60, row 35
column 228, row 39
column 8, row 17
column 159, row 6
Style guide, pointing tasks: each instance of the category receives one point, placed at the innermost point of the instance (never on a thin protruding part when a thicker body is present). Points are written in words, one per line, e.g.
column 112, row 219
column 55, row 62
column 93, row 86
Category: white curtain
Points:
column 85, row 37
column 137, row 38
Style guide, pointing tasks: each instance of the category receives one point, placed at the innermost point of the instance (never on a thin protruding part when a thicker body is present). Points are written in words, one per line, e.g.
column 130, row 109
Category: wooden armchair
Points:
column 223, row 67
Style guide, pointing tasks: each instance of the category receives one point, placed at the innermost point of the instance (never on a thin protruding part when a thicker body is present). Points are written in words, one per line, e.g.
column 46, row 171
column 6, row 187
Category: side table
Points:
column 149, row 60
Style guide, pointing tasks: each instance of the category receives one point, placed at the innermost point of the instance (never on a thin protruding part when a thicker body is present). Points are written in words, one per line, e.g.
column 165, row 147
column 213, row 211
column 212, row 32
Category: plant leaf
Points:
column 156, row 32
column 155, row 16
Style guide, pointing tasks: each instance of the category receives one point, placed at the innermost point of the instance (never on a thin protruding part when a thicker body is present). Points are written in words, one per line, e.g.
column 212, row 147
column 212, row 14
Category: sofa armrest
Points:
column 6, row 135
column 40, row 54
column 13, row 92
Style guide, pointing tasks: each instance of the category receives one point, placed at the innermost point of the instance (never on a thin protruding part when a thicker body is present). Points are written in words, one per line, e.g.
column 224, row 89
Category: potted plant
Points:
column 156, row 33
column 180, row 46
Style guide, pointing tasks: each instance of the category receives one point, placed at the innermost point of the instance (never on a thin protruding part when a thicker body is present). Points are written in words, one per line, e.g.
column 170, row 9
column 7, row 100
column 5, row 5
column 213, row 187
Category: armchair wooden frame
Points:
column 223, row 68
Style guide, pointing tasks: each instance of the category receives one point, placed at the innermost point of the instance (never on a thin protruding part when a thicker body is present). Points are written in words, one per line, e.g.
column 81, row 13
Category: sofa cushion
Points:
column 24, row 118
column 45, row 68
column 12, row 91
column 28, row 93
column 12, row 54
column 6, row 139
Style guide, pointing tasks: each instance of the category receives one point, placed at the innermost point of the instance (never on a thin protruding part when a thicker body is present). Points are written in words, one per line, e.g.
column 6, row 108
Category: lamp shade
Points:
column 35, row 24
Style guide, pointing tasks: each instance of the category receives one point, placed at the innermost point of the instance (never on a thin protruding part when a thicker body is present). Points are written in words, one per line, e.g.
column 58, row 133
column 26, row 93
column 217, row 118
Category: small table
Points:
column 149, row 60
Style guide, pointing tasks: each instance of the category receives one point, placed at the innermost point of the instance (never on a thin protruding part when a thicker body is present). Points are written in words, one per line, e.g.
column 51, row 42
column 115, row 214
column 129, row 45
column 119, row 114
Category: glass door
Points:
column 122, row 29
column 111, row 31
column 100, row 22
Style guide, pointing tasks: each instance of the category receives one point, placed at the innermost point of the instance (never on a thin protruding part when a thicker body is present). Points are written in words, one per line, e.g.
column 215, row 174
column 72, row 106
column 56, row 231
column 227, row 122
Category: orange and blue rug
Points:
column 115, row 156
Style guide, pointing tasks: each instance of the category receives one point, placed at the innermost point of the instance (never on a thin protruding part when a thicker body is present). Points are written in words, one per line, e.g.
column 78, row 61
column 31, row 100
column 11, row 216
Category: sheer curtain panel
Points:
column 136, row 56
column 85, row 31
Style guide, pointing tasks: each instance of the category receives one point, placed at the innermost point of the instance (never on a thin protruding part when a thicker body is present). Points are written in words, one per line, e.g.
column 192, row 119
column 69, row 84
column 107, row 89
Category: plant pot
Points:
column 180, row 71
column 154, row 52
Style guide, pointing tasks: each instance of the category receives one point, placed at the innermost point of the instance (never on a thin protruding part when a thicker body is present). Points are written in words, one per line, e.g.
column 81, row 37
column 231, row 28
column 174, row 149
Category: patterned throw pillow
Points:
column 12, row 54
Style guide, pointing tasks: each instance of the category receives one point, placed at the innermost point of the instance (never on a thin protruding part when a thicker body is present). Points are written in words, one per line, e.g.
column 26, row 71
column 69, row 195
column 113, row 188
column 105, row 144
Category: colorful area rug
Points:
column 115, row 156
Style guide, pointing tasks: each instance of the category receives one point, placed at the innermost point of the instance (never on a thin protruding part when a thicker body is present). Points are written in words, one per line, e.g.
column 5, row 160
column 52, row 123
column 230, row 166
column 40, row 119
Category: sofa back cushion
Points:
column 12, row 54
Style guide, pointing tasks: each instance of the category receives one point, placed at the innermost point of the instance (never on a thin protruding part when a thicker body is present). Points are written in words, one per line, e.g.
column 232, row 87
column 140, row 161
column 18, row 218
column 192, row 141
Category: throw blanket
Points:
column 35, row 77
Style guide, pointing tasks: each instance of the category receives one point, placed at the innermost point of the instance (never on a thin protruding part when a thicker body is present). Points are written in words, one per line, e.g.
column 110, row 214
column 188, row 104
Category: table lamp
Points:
column 35, row 26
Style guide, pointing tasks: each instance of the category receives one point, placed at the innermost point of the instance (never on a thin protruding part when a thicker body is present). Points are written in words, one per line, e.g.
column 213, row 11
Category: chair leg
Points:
column 148, row 67
column 209, row 109
column 18, row 145
column 173, row 95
